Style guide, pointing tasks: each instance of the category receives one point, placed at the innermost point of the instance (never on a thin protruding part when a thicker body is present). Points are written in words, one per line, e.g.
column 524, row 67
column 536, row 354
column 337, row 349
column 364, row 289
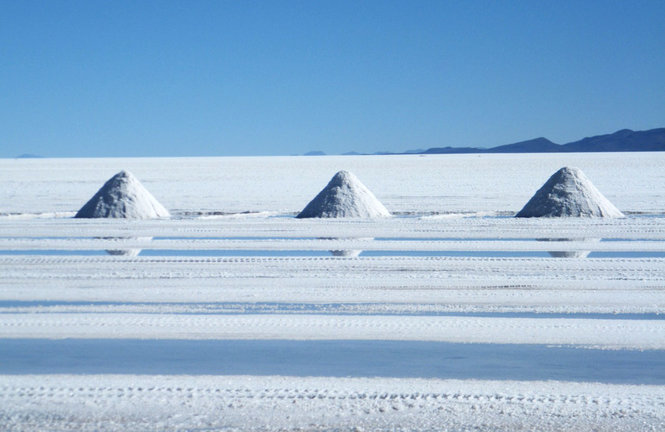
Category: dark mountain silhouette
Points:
column 414, row 151
column 454, row 150
column 624, row 140
column 536, row 145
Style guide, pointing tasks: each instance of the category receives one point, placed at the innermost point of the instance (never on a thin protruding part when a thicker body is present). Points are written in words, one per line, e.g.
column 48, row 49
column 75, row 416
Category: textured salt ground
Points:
column 244, row 296
column 294, row 307
column 250, row 403
column 593, row 333
column 286, row 228
column 308, row 245
column 442, row 284
column 455, row 270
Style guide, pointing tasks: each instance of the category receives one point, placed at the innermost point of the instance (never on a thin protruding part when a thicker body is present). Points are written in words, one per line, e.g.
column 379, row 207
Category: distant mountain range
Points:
column 624, row 140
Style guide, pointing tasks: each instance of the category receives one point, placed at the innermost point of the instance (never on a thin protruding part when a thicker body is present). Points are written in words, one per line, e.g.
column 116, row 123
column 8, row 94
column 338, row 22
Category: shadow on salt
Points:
column 331, row 358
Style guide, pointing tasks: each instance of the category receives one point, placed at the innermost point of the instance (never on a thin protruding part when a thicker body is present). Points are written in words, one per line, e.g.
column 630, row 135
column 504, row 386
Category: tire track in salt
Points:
column 61, row 402
column 596, row 333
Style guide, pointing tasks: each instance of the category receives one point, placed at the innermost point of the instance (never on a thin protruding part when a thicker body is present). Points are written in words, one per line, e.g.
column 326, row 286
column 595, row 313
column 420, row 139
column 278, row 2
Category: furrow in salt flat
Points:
column 408, row 296
column 377, row 263
column 16, row 244
column 597, row 333
column 644, row 228
column 613, row 304
column 369, row 268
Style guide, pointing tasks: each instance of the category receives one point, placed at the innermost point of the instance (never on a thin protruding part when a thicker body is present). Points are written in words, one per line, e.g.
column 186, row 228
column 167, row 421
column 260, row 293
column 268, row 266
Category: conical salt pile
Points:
column 123, row 196
column 569, row 193
column 344, row 197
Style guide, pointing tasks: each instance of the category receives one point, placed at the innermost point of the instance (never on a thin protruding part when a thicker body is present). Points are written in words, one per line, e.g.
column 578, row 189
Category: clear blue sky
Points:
column 196, row 78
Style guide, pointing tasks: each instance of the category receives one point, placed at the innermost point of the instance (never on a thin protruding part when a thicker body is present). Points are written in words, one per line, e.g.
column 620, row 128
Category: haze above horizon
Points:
column 217, row 78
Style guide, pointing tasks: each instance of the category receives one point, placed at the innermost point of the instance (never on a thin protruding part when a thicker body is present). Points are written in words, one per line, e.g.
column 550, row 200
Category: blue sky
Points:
column 206, row 78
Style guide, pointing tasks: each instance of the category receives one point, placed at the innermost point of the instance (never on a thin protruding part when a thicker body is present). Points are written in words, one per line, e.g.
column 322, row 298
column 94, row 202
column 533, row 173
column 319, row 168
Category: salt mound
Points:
column 569, row 193
column 344, row 197
column 123, row 196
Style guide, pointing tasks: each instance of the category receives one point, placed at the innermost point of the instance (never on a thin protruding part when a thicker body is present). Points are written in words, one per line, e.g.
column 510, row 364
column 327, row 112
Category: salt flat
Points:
column 234, row 315
column 412, row 183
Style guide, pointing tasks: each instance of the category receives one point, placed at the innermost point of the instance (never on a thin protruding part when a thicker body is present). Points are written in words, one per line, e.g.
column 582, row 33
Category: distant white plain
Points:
column 475, row 183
